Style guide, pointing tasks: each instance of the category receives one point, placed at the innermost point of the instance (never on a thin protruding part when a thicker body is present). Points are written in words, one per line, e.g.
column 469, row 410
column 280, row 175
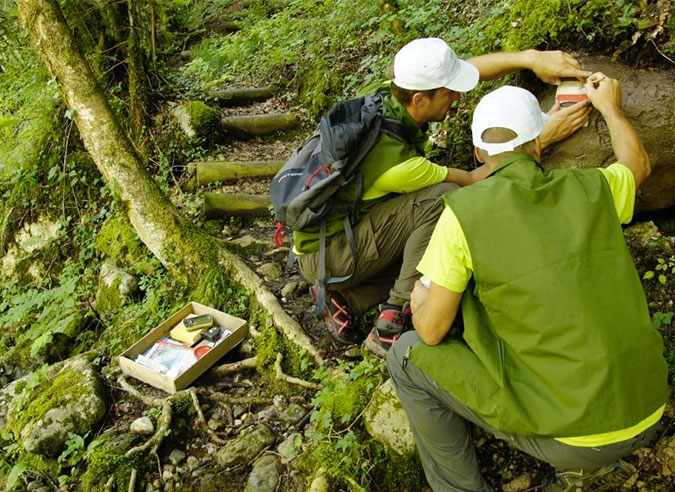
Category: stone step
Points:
column 219, row 205
column 220, row 170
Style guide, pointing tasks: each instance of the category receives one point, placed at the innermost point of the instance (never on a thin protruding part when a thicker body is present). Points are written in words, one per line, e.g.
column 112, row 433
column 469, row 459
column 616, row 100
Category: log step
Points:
column 260, row 124
column 210, row 171
column 219, row 205
column 241, row 97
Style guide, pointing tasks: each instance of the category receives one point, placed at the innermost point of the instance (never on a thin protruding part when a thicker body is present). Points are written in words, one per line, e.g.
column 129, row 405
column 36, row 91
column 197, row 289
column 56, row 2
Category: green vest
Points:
column 387, row 153
column 557, row 339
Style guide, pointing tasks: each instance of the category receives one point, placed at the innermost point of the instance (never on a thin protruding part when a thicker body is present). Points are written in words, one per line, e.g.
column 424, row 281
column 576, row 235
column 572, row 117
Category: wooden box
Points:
column 237, row 326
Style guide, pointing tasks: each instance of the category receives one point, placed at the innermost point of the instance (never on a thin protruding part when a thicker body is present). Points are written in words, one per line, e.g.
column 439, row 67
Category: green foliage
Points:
column 663, row 270
column 118, row 240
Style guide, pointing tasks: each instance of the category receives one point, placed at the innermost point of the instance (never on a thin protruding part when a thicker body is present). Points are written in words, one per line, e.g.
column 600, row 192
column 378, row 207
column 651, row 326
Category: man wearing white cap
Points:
column 401, row 189
column 555, row 353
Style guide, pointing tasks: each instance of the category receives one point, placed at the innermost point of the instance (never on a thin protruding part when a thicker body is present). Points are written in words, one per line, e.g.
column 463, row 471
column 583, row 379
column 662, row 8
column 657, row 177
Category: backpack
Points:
column 304, row 191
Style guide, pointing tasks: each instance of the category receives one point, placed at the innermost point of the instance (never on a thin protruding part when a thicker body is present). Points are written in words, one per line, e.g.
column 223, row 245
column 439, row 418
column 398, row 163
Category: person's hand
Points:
column 604, row 93
column 418, row 296
column 550, row 66
column 562, row 122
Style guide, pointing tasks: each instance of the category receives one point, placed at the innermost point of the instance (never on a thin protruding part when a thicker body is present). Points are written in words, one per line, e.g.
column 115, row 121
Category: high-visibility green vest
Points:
column 557, row 339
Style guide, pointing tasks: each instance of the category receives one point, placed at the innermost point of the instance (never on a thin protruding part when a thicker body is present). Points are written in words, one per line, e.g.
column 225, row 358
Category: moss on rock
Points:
column 118, row 240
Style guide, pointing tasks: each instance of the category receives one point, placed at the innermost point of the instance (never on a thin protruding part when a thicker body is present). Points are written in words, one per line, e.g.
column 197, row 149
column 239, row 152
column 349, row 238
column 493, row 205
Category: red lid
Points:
column 202, row 351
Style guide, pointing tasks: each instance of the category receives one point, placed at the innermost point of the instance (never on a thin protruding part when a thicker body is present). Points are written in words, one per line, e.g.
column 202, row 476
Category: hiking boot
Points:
column 338, row 317
column 392, row 322
column 606, row 478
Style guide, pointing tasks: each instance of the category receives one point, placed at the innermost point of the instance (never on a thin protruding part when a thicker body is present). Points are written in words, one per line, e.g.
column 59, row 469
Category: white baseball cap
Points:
column 507, row 107
column 429, row 63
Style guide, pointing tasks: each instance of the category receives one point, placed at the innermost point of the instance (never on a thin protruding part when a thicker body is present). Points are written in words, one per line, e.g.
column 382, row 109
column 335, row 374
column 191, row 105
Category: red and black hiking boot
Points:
column 338, row 317
column 392, row 322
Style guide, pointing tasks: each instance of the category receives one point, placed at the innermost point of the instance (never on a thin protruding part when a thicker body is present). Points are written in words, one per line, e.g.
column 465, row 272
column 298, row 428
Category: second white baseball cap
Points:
column 429, row 63
column 507, row 107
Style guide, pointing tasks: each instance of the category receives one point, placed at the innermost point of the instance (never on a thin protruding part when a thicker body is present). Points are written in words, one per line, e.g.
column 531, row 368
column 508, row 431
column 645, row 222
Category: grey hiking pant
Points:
column 441, row 427
column 390, row 242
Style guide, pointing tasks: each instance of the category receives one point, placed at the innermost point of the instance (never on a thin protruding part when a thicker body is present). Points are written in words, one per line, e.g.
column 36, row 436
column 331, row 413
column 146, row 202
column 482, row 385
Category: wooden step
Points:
column 210, row 171
column 241, row 97
column 219, row 205
column 260, row 124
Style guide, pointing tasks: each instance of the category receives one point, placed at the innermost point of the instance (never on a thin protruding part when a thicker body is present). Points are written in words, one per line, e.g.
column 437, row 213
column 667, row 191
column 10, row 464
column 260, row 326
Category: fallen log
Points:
column 229, row 26
column 210, row 171
column 218, row 205
column 241, row 97
column 259, row 124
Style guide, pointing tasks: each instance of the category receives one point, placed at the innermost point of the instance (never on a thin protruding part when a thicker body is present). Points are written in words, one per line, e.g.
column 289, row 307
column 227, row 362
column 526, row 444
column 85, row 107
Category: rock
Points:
column 115, row 287
column 265, row 475
column 142, row 426
column 192, row 462
column 176, row 457
column 71, row 398
column 245, row 447
column 387, row 422
column 105, row 457
column 8, row 394
column 34, row 485
column 648, row 102
column 293, row 414
column 518, row 484
column 290, row 447
column 353, row 353
column 197, row 119
column 30, row 238
column 319, row 482
column 271, row 271
column 44, row 489
column 294, row 288
column 215, row 424
column 250, row 242
column 647, row 235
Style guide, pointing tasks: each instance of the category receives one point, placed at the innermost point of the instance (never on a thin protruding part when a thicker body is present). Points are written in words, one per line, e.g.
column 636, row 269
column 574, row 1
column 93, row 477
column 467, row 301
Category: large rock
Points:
column 245, row 447
column 115, row 286
column 196, row 119
column 387, row 422
column 649, row 104
column 68, row 398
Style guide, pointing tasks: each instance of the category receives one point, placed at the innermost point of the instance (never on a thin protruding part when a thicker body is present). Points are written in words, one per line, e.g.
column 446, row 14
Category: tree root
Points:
column 132, row 480
column 156, row 441
column 109, row 484
column 281, row 376
column 200, row 416
column 234, row 367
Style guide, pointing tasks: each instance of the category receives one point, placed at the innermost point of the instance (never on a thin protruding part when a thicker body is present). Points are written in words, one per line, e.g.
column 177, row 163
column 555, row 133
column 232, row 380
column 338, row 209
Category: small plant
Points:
column 660, row 319
column 664, row 268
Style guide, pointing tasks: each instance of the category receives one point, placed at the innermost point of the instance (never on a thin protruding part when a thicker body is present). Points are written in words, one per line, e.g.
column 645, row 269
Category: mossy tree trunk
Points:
column 185, row 250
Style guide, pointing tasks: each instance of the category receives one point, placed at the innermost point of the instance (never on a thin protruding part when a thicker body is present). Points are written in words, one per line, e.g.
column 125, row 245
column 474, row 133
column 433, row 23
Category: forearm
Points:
column 427, row 327
column 495, row 65
column 626, row 143
column 465, row 178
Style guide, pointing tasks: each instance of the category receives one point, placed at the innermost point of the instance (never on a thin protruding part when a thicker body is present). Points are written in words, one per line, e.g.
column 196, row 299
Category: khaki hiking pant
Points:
column 390, row 242
column 442, row 431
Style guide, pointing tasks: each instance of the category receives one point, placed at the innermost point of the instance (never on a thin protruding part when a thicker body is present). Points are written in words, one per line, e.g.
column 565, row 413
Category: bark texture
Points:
column 260, row 124
column 217, row 205
column 236, row 97
column 179, row 245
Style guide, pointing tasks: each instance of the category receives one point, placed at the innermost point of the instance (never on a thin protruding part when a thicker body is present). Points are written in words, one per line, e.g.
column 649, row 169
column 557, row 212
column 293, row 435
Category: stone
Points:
column 192, row 462
column 176, row 457
column 518, row 484
column 250, row 242
column 34, row 485
column 294, row 288
column 71, row 398
column 105, row 455
column 290, row 447
column 142, row 426
column 319, row 483
column 245, row 447
column 265, row 475
column 28, row 239
column 387, row 422
column 647, row 235
column 7, row 395
column 293, row 414
column 271, row 271
column 196, row 118
column 648, row 102
column 115, row 287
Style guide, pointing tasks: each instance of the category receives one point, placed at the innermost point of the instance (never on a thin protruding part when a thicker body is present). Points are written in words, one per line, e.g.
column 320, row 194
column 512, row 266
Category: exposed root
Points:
column 200, row 416
column 354, row 485
column 253, row 331
column 132, row 480
column 109, row 484
column 156, row 441
column 281, row 376
column 242, row 400
column 234, row 367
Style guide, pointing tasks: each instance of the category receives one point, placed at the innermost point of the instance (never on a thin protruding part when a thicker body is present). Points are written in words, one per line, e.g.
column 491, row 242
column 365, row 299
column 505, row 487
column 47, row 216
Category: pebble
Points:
column 290, row 447
column 265, row 475
column 142, row 426
column 293, row 288
column 279, row 401
column 34, row 485
column 215, row 424
column 293, row 414
column 177, row 456
column 271, row 271
column 518, row 484
column 167, row 475
column 192, row 462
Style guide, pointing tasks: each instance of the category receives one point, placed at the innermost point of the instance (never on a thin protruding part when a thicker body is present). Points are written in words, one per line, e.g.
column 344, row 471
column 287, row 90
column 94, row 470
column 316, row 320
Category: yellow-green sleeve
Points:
column 622, row 185
column 406, row 177
column 447, row 260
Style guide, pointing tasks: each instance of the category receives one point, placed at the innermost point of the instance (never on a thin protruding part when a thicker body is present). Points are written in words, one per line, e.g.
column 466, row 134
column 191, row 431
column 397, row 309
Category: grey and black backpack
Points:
column 304, row 191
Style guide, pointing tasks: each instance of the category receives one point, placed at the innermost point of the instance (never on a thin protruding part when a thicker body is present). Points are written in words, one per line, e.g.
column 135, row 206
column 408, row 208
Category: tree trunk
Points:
column 210, row 171
column 185, row 250
column 260, row 124
column 218, row 205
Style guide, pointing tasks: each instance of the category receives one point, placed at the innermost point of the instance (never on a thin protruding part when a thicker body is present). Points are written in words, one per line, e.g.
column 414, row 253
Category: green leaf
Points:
column 15, row 474
column 648, row 274
column 6, row 121
column 662, row 279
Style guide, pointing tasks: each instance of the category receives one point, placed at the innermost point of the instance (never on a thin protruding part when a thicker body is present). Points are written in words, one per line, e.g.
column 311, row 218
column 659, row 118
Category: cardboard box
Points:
column 237, row 326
